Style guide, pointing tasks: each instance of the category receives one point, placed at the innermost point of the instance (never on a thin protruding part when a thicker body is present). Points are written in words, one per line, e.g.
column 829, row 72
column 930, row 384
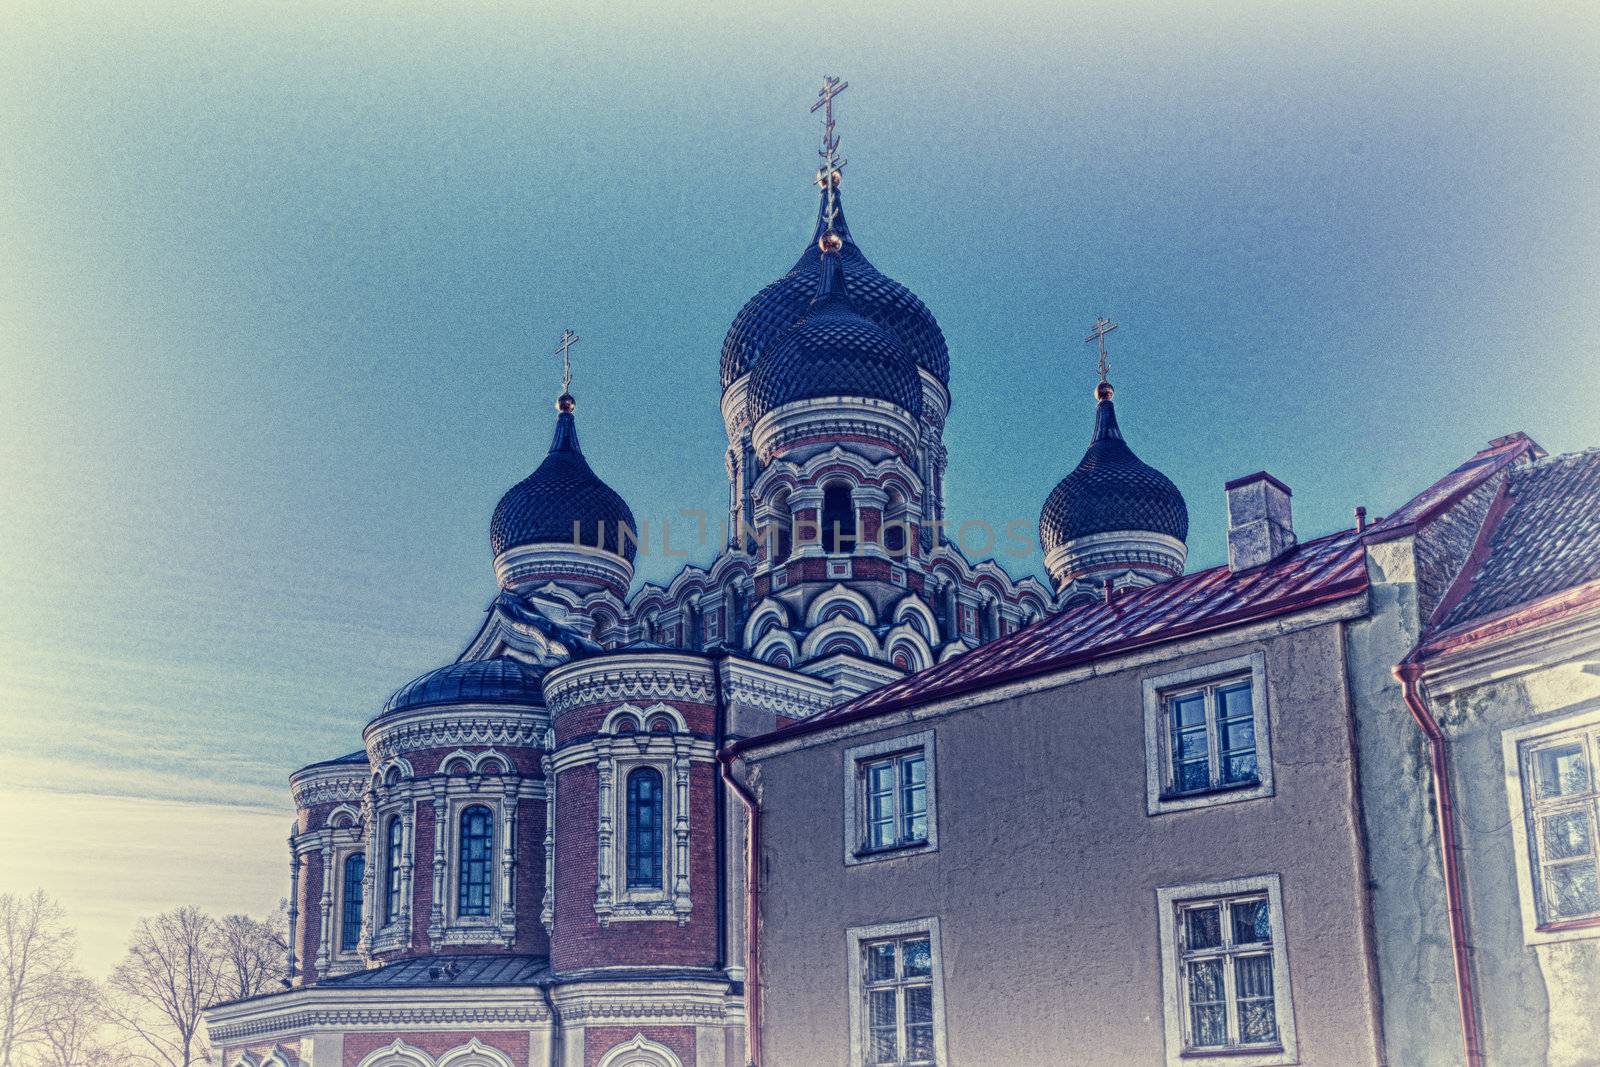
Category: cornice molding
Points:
column 314, row 791
column 629, row 676
column 453, row 726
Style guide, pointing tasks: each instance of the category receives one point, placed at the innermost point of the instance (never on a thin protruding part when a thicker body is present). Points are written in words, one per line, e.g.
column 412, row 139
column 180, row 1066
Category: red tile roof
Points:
column 1317, row 572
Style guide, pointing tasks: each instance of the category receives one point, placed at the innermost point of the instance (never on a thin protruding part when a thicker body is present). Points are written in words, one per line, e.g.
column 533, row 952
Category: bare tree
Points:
column 173, row 970
column 73, row 1026
column 36, row 956
column 255, row 953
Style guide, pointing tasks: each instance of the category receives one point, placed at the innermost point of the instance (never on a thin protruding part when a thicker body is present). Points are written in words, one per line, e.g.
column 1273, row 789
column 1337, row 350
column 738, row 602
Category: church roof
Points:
column 834, row 350
column 561, row 495
column 496, row 680
column 1111, row 489
column 453, row 970
column 882, row 300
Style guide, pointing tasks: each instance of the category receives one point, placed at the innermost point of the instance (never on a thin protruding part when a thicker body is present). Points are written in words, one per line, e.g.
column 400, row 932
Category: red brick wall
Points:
column 310, row 918
column 599, row 1040
column 422, row 875
column 359, row 1045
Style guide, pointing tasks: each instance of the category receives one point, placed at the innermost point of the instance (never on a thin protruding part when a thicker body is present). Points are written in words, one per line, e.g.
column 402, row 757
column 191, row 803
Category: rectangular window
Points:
column 896, row 800
column 1225, row 963
column 1562, row 802
column 897, row 1017
column 1206, row 735
column 889, row 798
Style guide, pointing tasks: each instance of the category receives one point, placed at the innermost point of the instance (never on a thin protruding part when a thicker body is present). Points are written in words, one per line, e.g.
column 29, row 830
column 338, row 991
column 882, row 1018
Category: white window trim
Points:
column 456, row 806
column 1511, row 742
column 1167, row 900
column 853, row 800
column 854, row 938
column 671, row 754
column 341, row 856
column 1157, row 764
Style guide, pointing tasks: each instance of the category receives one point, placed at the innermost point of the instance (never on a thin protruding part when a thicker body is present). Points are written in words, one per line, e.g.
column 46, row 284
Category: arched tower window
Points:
column 838, row 519
column 692, row 630
column 780, row 536
column 644, row 828
column 989, row 621
column 391, row 871
column 355, row 870
column 733, row 604
column 894, row 524
column 477, row 855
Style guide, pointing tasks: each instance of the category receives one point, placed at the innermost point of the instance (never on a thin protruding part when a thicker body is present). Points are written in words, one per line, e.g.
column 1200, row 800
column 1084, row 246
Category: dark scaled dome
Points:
column 542, row 508
column 768, row 314
column 497, row 680
column 835, row 351
column 1111, row 489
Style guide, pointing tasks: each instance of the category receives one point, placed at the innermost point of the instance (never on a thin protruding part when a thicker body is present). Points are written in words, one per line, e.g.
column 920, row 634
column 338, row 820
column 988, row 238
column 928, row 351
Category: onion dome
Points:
column 834, row 350
column 497, row 680
column 563, row 494
column 768, row 314
column 1111, row 489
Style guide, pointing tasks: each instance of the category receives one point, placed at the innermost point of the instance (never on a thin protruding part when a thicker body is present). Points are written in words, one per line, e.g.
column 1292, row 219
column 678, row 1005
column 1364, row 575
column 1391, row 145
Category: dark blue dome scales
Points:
column 543, row 507
column 835, row 351
column 1111, row 489
column 770, row 313
column 497, row 680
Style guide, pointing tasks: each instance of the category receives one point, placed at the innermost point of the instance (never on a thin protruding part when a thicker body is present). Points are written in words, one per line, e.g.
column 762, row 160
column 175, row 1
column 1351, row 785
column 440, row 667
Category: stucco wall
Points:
column 1411, row 922
column 1045, row 877
column 1537, row 1003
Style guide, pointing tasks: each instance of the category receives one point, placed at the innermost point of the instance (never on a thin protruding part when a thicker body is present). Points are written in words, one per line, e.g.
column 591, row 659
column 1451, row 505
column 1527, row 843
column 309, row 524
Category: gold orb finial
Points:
column 566, row 404
column 1103, row 391
column 830, row 242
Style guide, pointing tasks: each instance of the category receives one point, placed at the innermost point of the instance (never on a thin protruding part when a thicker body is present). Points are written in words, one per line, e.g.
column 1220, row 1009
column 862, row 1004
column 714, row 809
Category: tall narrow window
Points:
column 1226, row 973
column 1563, row 812
column 391, row 871
column 896, row 794
column 897, row 983
column 644, row 828
column 355, row 870
column 838, row 519
column 1212, row 737
column 477, row 860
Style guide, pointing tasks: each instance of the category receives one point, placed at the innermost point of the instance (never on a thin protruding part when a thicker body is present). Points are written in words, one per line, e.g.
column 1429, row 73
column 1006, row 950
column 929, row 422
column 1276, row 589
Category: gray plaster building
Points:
column 1194, row 821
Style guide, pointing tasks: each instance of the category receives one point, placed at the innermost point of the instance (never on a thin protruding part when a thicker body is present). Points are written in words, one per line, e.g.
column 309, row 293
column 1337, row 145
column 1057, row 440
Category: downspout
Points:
column 752, row 901
column 1409, row 673
column 557, row 1037
column 719, row 802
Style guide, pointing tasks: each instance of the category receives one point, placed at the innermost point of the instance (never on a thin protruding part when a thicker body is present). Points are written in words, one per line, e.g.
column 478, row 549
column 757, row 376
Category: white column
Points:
column 603, row 834
column 440, row 830
column 508, row 860
column 680, row 829
column 324, row 949
column 547, row 914
column 294, row 904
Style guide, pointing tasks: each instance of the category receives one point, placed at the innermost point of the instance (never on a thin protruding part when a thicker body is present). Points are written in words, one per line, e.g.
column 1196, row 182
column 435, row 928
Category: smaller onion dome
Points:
column 835, row 351
column 497, row 680
column 1111, row 489
column 563, row 494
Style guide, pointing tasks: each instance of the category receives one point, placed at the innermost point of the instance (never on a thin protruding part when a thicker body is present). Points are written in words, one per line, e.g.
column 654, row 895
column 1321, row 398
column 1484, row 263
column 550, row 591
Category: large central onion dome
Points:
column 834, row 350
column 887, row 303
column 1115, row 516
column 562, row 496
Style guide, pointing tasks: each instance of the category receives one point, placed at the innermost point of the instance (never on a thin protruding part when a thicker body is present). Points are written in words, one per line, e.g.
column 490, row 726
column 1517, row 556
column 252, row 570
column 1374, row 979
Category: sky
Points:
column 280, row 287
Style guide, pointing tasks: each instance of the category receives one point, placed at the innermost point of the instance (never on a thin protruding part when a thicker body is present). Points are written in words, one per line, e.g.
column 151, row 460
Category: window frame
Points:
column 857, row 939
column 1171, row 903
column 459, row 883
column 856, row 807
column 345, row 900
column 1518, row 746
column 1158, row 691
column 626, row 851
column 394, row 855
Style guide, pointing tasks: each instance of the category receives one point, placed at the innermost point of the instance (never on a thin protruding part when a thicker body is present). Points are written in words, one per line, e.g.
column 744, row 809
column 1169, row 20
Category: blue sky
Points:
column 279, row 287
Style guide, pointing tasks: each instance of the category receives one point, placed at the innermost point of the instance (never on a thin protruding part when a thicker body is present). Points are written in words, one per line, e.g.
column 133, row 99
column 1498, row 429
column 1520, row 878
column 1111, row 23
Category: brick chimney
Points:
column 1260, row 526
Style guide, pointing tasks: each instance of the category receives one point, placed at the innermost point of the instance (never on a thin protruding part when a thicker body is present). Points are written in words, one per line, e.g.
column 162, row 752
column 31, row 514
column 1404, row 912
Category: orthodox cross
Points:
column 568, row 339
column 828, row 176
column 1102, row 326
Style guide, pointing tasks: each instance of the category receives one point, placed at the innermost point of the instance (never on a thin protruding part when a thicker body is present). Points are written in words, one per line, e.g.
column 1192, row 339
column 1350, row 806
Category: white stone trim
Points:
column 397, row 1054
column 474, row 1054
column 640, row 1052
column 1157, row 765
column 1167, row 900
column 854, row 936
column 1511, row 743
column 853, row 798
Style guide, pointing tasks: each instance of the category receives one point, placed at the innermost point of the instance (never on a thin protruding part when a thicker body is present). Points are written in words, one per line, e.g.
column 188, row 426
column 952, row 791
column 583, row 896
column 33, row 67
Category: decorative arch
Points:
column 640, row 1052
column 833, row 629
column 776, row 643
column 914, row 610
column 641, row 718
column 278, row 1057
column 344, row 817
column 860, row 607
column 246, row 1060
column 905, row 639
column 768, row 615
column 475, row 1054
column 397, row 1054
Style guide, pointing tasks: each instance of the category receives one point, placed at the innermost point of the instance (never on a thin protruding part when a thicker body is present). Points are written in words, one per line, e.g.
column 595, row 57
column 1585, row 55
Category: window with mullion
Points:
column 1226, row 960
column 896, row 800
column 898, row 986
column 1564, row 807
column 476, row 868
column 1212, row 737
column 391, row 871
column 355, row 871
column 644, row 822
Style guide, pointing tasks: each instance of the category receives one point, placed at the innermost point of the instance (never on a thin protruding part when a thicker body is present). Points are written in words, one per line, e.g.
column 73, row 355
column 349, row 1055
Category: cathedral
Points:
column 846, row 795
column 537, row 835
